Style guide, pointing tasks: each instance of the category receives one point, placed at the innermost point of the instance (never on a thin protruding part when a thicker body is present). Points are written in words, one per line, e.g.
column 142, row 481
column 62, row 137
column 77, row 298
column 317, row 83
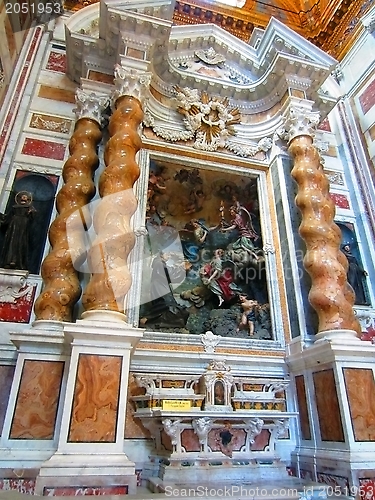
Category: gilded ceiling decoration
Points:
column 329, row 24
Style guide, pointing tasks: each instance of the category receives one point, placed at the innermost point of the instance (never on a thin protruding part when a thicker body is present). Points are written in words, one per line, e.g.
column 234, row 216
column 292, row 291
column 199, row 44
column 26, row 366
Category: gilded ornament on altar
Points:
column 210, row 119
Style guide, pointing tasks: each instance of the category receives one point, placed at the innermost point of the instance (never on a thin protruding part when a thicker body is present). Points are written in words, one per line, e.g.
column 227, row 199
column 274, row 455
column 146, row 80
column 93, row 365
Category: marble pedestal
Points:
column 335, row 390
column 90, row 451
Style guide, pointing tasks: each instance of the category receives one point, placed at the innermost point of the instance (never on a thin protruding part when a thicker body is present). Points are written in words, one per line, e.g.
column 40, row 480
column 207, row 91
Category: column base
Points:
column 103, row 474
column 337, row 336
column 107, row 316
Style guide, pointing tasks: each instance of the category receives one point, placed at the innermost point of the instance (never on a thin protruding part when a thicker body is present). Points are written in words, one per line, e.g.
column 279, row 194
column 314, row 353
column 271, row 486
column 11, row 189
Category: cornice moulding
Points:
column 282, row 59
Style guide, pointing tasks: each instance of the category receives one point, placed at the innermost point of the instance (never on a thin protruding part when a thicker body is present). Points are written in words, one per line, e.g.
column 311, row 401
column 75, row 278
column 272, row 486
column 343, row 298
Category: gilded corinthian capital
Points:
column 90, row 105
column 299, row 121
column 131, row 82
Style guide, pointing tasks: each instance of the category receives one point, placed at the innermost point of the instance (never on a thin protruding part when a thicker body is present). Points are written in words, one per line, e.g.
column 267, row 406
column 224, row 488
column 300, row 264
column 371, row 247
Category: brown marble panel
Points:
column 261, row 441
column 328, row 406
column 96, row 76
column 189, row 440
column 95, row 402
column 56, row 94
column 6, row 377
column 37, row 400
column 303, row 413
column 360, row 389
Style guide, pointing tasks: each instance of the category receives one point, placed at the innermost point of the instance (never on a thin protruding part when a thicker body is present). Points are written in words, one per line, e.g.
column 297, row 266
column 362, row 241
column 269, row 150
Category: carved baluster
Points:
column 61, row 285
column 107, row 258
column 202, row 427
column 330, row 294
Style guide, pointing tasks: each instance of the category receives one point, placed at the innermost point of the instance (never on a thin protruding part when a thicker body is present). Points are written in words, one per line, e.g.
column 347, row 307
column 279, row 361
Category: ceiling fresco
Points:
column 329, row 24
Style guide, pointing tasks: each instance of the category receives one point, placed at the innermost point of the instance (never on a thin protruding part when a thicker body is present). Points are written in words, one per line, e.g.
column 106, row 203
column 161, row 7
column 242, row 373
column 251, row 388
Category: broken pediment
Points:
column 255, row 76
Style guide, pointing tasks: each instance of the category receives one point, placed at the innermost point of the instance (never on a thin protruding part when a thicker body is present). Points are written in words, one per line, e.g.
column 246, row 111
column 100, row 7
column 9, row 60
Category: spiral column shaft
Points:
column 107, row 258
column 61, row 284
column 330, row 294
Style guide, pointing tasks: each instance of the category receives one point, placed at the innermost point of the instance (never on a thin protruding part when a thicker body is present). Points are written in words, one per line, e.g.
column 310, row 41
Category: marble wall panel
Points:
column 360, row 389
column 325, row 125
column 52, row 123
column 367, row 98
column 16, row 98
column 303, row 414
column 96, row 76
column 21, row 485
column 6, row 377
column 37, row 400
column 334, row 177
column 337, row 483
column 367, row 488
column 340, row 200
column 56, row 94
column 20, row 310
column 45, row 149
column 95, row 401
column 328, row 406
column 56, row 62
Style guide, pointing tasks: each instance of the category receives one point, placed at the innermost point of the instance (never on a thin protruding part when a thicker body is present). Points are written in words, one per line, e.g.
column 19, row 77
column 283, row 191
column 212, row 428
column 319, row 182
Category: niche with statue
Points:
column 24, row 223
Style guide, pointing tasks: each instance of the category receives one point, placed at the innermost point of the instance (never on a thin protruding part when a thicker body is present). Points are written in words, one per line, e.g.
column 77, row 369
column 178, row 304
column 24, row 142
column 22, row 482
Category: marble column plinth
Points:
column 33, row 409
column 335, row 389
column 90, row 450
column 101, row 472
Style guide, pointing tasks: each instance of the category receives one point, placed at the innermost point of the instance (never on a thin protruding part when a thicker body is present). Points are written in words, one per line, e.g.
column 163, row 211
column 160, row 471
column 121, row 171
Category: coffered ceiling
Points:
column 330, row 24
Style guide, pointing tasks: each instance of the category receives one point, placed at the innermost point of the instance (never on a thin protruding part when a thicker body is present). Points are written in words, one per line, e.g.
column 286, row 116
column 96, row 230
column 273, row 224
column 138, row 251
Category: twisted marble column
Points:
column 61, row 284
column 107, row 258
column 331, row 296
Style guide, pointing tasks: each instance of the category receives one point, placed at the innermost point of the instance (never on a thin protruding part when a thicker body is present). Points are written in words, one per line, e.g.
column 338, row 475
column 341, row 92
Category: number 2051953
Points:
column 49, row 8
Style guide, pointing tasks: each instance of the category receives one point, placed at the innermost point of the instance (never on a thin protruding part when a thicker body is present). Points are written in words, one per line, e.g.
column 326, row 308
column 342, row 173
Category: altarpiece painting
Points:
column 204, row 266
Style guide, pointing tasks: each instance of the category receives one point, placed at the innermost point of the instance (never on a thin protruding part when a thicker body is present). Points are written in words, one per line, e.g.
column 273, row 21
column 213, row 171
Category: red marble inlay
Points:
column 367, row 98
column 46, row 149
column 340, row 200
column 56, row 62
column 325, row 125
column 367, row 489
column 17, row 96
column 78, row 491
column 18, row 311
column 368, row 334
column 26, row 486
